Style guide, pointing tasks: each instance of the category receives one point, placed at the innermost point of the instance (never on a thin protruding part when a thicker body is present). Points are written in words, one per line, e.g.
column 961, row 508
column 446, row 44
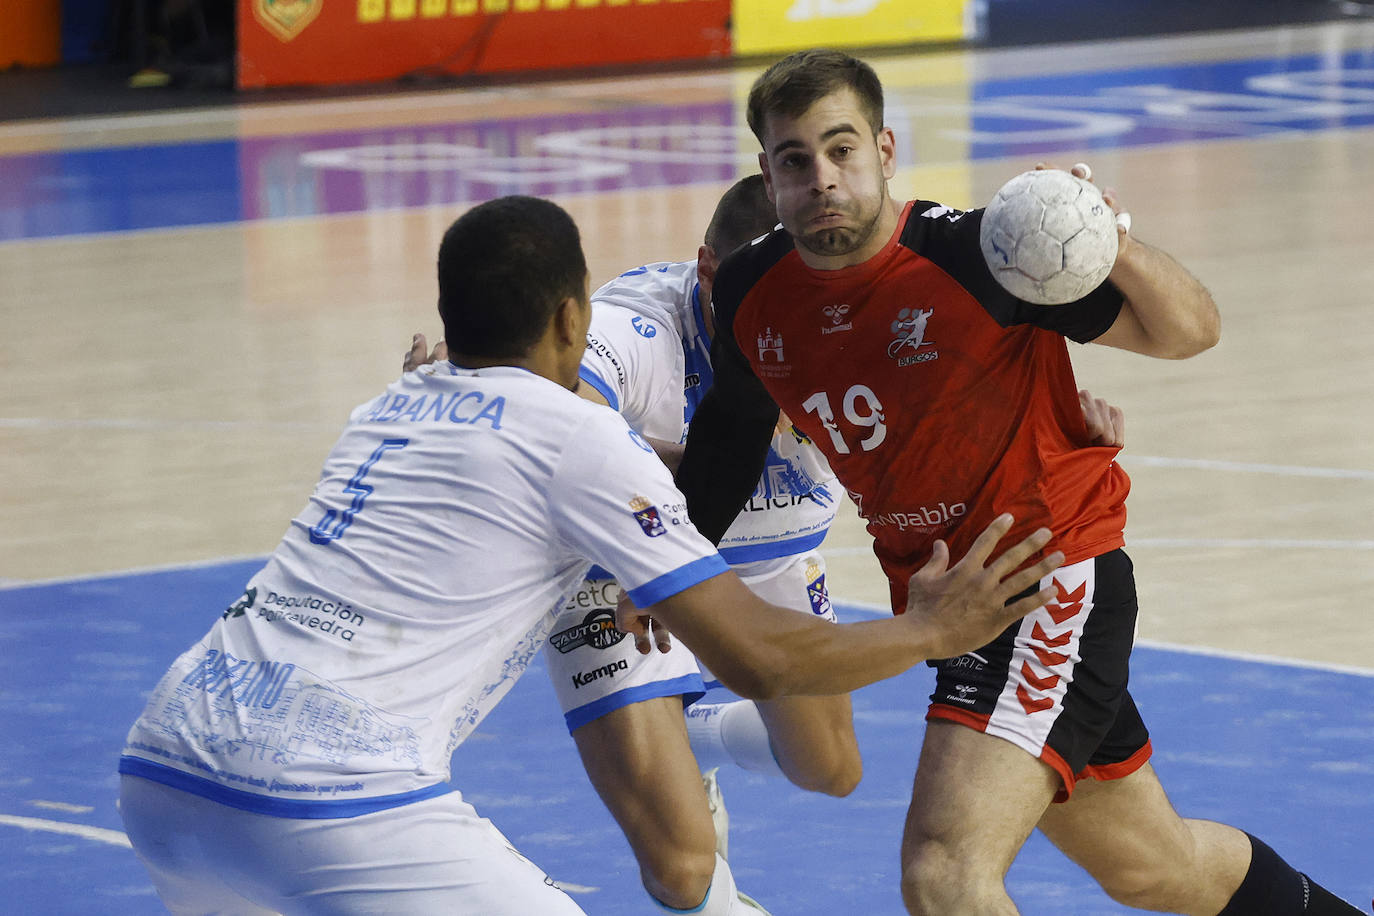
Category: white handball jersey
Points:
column 648, row 354
column 452, row 518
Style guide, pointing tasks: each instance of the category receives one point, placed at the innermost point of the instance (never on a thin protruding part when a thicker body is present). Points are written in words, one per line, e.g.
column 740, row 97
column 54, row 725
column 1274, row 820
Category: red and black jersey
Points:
column 939, row 398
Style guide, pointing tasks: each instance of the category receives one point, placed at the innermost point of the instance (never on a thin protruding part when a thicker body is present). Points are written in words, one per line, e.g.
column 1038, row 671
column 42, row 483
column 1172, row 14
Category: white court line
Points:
column 99, row 834
column 118, row 838
column 1247, row 467
column 570, row 888
column 1254, row 543
column 62, row 806
column 882, row 610
column 1256, row 657
column 8, row 584
column 1202, row 464
column 1214, row 543
column 143, row 423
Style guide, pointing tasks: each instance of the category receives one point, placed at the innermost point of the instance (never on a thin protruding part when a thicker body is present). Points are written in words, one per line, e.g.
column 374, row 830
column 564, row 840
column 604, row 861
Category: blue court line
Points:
column 213, row 182
column 1282, row 750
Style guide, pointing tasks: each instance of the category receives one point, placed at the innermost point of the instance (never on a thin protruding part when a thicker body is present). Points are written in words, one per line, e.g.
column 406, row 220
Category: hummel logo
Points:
column 836, row 314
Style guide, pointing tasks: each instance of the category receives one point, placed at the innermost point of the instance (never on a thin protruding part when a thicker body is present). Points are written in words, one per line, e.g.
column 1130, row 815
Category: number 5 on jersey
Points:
column 869, row 416
column 333, row 525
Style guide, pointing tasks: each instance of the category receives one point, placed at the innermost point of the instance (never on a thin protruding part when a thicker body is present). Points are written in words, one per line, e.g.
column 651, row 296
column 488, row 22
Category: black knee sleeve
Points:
column 1272, row 887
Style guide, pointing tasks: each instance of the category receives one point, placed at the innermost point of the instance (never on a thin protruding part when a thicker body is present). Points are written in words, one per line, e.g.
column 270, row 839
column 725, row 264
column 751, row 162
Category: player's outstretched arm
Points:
column 762, row 652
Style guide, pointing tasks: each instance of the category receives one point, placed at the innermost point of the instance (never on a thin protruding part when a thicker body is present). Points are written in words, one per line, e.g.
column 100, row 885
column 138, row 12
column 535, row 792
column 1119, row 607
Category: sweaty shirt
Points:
column 939, row 399
column 452, row 518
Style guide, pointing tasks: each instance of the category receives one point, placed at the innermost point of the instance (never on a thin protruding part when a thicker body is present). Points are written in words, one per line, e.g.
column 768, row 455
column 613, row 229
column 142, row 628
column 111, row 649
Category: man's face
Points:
column 827, row 175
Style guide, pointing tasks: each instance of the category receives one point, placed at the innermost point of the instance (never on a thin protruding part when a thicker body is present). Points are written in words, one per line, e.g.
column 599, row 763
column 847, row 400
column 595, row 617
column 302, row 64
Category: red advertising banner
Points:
column 298, row 42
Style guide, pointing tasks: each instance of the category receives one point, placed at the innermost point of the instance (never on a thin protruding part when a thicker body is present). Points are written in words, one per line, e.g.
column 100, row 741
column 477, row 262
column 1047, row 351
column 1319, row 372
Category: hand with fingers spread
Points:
column 418, row 355
column 965, row 606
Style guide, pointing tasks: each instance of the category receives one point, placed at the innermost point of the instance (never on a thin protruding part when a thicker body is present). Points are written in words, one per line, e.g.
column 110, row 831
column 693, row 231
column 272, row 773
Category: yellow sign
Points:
column 286, row 18
column 781, row 26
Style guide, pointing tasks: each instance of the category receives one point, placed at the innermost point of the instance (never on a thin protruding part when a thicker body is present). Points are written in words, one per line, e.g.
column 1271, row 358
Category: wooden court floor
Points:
column 170, row 390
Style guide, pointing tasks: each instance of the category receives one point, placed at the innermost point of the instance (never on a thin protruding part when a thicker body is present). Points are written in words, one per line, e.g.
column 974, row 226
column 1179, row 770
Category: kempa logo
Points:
column 584, row 678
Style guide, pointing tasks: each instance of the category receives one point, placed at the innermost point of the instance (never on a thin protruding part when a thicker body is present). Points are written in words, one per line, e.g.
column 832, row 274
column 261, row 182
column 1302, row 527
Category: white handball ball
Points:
column 1049, row 237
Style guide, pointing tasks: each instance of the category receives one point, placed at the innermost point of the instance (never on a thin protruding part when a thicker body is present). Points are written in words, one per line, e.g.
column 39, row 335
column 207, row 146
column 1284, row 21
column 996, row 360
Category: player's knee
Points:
column 1144, row 888
column 680, row 879
column 932, row 876
column 838, row 774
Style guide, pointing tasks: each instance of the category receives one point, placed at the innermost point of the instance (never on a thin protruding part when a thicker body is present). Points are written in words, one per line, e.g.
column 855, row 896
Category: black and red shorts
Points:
column 1054, row 684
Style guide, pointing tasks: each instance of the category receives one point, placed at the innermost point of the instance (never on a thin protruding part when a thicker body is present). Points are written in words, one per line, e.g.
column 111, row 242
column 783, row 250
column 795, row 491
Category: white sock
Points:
column 722, row 897
column 731, row 733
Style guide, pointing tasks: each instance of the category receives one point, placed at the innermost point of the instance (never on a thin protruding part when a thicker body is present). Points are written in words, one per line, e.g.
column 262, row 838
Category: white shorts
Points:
column 596, row 669
column 432, row 856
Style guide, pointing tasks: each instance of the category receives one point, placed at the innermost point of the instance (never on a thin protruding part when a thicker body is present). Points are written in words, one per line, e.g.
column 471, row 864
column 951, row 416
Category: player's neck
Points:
column 888, row 217
column 540, row 360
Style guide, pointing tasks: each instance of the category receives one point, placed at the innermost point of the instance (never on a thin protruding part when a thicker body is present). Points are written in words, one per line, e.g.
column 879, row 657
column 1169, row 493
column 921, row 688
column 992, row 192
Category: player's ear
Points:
column 887, row 151
column 767, row 177
column 707, row 262
column 570, row 321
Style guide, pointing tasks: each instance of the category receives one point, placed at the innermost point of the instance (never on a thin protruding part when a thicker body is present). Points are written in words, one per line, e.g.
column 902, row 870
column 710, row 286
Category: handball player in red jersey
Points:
column 942, row 401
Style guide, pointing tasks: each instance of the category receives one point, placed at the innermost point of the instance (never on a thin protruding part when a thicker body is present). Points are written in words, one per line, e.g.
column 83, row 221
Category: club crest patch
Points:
column 817, row 592
column 647, row 515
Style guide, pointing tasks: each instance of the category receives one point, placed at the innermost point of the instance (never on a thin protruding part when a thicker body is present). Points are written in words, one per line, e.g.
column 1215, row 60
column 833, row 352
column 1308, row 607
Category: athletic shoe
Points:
column 750, row 902
column 719, row 816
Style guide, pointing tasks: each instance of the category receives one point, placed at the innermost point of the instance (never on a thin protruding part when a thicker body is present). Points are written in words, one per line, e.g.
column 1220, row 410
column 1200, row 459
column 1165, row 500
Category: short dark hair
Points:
column 798, row 81
column 504, row 266
column 743, row 214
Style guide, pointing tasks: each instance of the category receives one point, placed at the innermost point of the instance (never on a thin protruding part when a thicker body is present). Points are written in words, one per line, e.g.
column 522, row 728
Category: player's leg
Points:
column 624, row 711
column 163, row 826
column 432, row 856
column 974, row 802
column 1018, row 719
column 814, row 743
column 1126, row 834
column 809, row 740
column 638, row 760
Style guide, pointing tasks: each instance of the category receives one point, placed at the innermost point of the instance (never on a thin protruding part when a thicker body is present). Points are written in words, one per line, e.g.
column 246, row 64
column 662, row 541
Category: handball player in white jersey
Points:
column 296, row 759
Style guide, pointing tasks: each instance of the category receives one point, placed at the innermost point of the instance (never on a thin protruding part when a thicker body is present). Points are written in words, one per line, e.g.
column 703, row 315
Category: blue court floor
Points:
column 1284, row 751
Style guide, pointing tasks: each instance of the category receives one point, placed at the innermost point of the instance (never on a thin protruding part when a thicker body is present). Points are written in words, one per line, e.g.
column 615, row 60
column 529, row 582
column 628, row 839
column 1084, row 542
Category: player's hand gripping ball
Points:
column 1049, row 237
